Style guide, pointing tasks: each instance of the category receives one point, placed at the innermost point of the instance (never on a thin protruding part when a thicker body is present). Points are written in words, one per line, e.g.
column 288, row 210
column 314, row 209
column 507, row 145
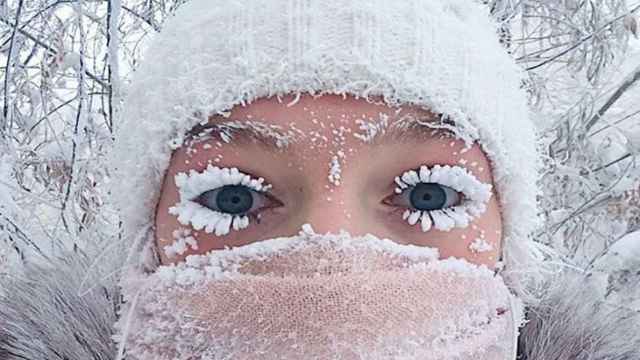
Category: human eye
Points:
column 220, row 199
column 442, row 197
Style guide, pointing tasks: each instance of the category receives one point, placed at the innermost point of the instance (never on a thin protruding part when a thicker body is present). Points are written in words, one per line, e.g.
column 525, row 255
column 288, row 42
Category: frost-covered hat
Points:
column 443, row 55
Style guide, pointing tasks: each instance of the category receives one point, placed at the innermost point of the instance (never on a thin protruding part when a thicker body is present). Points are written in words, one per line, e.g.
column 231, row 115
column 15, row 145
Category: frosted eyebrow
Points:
column 416, row 129
column 270, row 137
column 273, row 138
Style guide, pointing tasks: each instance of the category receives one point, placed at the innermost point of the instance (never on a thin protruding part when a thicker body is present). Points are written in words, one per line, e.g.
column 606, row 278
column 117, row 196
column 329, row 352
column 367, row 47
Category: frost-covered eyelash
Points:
column 476, row 196
column 191, row 185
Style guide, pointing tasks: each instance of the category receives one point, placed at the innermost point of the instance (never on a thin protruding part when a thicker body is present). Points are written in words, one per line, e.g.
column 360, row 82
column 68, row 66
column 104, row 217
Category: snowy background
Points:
column 65, row 66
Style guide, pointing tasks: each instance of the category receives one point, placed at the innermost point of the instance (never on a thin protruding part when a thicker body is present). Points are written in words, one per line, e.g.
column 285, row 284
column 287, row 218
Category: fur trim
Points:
column 53, row 311
column 45, row 315
column 571, row 322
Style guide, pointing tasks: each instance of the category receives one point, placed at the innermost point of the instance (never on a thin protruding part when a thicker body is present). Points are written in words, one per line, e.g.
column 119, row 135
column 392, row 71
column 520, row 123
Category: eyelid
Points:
column 455, row 177
column 195, row 183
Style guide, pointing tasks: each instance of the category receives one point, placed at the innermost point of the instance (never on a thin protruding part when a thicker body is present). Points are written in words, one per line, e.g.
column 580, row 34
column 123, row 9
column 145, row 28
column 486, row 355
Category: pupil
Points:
column 234, row 199
column 428, row 196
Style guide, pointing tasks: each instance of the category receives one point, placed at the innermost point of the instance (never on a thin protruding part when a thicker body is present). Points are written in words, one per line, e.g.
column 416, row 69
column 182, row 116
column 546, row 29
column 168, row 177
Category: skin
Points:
column 299, row 175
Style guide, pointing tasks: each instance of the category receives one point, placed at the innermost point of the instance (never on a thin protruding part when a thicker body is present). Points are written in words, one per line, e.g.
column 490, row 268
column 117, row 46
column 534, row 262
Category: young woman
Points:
column 323, row 180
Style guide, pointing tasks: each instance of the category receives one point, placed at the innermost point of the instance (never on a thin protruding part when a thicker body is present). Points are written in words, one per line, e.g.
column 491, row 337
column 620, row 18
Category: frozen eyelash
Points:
column 191, row 185
column 476, row 196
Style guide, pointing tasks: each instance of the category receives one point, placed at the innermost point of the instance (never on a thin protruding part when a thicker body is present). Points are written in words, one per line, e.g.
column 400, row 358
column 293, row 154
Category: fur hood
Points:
column 55, row 311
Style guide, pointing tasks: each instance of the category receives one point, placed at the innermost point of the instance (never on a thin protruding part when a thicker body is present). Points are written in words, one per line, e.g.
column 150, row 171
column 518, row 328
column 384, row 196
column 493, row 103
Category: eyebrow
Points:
column 416, row 129
column 273, row 138
column 270, row 137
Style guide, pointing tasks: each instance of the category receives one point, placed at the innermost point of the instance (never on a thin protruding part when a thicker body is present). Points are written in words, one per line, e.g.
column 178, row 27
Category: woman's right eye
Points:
column 237, row 200
column 220, row 199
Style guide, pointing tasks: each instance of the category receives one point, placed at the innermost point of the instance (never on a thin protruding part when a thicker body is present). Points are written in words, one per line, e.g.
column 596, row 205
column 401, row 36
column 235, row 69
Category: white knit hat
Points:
column 443, row 55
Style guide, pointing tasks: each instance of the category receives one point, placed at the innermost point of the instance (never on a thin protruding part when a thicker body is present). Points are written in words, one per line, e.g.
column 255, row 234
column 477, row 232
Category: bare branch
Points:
column 581, row 41
column 51, row 50
column 7, row 76
column 626, row 84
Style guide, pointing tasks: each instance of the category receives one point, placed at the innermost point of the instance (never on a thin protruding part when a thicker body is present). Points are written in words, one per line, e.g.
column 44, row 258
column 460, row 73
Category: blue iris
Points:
column 230, row 199
column 428, row 196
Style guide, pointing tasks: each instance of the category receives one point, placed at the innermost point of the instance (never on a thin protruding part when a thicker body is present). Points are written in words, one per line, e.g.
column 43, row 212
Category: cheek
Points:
column 270, row 221
column 478, row 243
column 166, row 225
column 270, row 224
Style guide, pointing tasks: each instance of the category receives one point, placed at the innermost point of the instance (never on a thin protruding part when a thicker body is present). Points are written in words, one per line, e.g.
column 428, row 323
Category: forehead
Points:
column 327, row 121
column 327, row 133
column 309, row 112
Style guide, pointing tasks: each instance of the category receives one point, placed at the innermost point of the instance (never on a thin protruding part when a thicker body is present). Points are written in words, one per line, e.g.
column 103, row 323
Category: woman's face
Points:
column 334, row 170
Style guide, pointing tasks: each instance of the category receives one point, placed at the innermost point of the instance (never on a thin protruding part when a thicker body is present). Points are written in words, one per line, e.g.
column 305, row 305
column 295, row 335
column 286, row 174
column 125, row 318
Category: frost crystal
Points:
column 192, row 185
column 480, row 245
column 476, row 195
column 183, row 240
column 371, row 129
column 334, row 171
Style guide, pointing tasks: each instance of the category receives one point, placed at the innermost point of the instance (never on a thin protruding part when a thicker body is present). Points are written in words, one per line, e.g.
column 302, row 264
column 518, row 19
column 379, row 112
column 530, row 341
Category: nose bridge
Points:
column 331, row 213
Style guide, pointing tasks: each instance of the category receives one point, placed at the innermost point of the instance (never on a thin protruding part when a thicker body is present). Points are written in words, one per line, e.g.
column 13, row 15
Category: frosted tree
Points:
column 583, row 82
column 62, row 66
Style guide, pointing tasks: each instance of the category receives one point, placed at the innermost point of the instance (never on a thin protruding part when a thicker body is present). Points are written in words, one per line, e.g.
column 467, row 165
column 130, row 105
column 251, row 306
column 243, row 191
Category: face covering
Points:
column 322, row 297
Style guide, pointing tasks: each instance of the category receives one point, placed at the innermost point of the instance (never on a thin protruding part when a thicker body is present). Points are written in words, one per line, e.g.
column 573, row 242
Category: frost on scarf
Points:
column 322, row 296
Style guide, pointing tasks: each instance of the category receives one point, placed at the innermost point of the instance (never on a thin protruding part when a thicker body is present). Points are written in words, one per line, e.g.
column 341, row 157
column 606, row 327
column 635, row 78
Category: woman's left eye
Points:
column 442, row 197
column 426, row 197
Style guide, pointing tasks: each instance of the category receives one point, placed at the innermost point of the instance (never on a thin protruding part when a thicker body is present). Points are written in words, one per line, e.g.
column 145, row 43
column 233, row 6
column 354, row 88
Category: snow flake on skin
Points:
column 192, row 185
column 371, row 129
column 480, row 245
column 476, row 195
column 334, row 171
column 183, row 240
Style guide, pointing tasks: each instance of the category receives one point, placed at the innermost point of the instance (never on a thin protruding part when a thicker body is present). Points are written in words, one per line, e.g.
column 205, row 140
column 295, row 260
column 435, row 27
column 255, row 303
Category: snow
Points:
column 183, row 241
column 7, row 203
column 371, row 129
column 480, row 245
column 224, row 262
column 616, row 272
column 334, row 171
column 114, row 45
column 633, row 141
column 623, row 254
